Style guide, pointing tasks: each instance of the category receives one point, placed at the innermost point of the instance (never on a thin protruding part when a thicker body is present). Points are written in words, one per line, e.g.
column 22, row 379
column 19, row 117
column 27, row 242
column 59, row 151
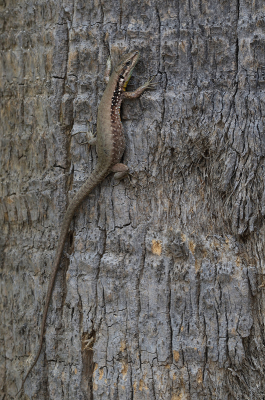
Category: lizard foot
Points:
column 91, row 138
column 149, row 84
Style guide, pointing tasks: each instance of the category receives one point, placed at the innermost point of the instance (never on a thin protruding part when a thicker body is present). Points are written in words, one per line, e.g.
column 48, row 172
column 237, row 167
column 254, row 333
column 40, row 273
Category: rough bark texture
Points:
column 159, row 295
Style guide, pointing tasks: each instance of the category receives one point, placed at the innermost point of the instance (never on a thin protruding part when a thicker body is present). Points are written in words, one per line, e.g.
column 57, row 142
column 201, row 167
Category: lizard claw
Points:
column 91, row 138
column 149, row 84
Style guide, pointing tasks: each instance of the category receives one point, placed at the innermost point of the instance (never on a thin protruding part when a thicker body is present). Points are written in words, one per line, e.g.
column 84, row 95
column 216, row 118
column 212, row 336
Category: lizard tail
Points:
column 93, row 180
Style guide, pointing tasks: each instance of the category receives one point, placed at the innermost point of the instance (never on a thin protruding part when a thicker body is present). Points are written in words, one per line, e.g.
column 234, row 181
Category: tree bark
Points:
column 159, row 294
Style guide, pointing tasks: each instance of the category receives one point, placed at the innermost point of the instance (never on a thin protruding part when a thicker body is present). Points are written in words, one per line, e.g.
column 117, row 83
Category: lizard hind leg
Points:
column 120, row 171
column 91, row 137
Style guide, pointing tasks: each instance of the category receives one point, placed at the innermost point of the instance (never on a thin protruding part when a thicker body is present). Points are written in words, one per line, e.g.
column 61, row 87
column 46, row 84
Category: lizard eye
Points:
column 128, row 63
column 121, row 76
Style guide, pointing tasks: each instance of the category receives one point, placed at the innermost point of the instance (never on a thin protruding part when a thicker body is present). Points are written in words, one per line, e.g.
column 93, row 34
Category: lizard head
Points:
column 126, row 65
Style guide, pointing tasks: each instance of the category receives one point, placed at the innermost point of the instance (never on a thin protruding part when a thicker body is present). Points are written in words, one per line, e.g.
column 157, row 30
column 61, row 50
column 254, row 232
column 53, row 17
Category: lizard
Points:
column 110, row 146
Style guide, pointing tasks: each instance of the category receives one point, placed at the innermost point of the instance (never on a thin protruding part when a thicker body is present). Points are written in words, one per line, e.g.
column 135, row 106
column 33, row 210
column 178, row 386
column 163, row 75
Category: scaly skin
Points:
column 110, row 145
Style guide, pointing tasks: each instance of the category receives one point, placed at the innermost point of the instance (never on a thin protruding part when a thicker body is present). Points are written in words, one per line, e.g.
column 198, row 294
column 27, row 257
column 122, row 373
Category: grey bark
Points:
column 159, row 295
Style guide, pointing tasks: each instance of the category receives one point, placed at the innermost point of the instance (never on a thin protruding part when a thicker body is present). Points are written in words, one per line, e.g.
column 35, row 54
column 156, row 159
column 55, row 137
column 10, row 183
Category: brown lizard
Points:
column 110, row 145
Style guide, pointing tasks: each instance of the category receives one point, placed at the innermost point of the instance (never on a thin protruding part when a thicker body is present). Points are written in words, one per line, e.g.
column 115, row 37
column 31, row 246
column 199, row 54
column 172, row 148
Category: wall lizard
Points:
column 110, row 145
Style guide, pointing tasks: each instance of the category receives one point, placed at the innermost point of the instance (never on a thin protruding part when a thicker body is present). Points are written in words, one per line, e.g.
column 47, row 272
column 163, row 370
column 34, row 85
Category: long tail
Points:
column 94, row 179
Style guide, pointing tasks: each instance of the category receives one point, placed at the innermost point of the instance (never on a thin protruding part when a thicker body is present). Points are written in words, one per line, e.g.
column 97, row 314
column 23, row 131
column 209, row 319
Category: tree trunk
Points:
column 159, row 294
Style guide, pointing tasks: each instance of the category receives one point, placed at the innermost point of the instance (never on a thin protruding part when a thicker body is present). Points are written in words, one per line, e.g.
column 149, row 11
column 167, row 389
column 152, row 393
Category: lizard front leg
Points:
column 136, row 93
